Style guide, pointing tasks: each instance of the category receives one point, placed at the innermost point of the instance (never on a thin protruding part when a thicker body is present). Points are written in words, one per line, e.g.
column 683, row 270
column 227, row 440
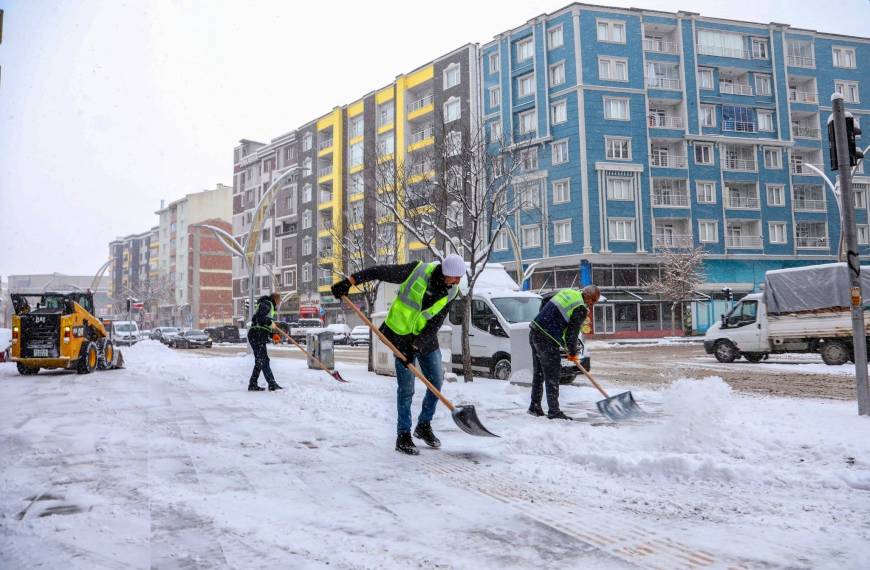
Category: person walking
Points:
column 423, row 300
column 259, row 335
column 557, row 326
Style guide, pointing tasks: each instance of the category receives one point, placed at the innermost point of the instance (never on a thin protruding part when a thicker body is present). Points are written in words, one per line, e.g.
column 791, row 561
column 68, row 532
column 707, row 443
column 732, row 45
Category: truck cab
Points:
column 742, row 331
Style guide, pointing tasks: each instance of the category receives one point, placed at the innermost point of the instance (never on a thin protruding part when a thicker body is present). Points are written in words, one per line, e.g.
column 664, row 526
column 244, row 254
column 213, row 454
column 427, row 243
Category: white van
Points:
column 125, row 333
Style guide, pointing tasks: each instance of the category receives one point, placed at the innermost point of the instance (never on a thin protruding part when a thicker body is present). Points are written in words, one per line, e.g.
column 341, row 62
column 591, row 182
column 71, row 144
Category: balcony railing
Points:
column 753, row 242
column 426, row 133
column 802, row 96
column 739, row 126
column 719, row 51
column 801, row 61
column 809, row 205
column 669, row 199
column 735, row 88
column 811, row 241
column 659, row 46
column 669, row 161
column 746, row 202
column 800, row 167
column 325, row 171
column 418, row 104
column 739, row 164
column 325, row 197
column 325, row 143
column 662, row 83
column 666, row 122
column 672, row 241
column 807, row 132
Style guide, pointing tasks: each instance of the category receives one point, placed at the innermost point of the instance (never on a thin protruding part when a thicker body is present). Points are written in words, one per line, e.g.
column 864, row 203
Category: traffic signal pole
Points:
column 842, row 159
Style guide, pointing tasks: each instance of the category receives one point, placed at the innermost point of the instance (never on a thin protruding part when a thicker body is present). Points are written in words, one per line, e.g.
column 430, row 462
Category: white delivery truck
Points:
column 804, row 309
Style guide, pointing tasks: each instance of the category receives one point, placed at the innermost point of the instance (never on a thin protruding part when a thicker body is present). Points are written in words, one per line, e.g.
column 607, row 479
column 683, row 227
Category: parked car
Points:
column 163, row 334
column 193, row 338
column 125, row 333
column 340, row 333
column 227, row 333
column 360, row 335
column 300, row 332
column 5, row 344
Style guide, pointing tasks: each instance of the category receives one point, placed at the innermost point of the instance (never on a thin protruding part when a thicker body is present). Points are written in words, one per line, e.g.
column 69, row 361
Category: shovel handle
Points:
column 299, row 346
column 400, row 356
column 591, row 379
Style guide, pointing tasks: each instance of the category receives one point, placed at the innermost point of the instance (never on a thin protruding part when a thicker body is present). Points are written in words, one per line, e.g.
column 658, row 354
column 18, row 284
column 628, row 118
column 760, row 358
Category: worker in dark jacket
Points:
column 557, row 326
column 424, row 298
column 259, row 335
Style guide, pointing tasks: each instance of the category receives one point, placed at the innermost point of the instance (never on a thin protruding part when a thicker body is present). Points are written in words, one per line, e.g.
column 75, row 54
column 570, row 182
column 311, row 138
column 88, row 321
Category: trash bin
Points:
column 320, row 346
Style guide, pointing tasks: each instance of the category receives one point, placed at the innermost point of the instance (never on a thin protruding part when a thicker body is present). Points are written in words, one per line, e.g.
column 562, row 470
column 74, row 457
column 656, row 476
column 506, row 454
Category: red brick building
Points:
column 210, row 277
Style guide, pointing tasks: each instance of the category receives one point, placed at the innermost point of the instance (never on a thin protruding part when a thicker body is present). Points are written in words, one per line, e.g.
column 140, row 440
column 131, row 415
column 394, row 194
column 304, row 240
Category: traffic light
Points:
column 851, row 133
column 247, row 305
column 129, row 301
column 729, row 295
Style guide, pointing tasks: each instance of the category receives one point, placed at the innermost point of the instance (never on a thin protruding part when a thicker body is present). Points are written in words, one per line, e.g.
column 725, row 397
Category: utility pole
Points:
column 843, row 156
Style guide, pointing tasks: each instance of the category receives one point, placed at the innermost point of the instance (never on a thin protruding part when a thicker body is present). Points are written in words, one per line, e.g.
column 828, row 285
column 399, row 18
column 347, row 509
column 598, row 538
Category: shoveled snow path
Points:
column 170, row 463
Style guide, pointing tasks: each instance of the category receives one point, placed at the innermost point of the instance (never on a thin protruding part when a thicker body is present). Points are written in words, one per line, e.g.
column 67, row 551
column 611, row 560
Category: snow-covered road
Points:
column 172, row 464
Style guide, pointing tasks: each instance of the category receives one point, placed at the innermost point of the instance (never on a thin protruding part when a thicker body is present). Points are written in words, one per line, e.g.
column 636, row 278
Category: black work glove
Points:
column 410, row 353
column 341, row 289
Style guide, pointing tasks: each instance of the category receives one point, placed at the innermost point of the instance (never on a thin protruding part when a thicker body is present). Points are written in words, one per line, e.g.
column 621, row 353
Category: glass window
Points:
column 602, row 275
column 560, row 152
column 624, row 276
column 526, row 85
column 621, row 229
column 558, row 112
column 844, row 57
column 775, row 195
column 355, row 127
column 493, row 63
column 762, row 85
column 562, row 232
column 554, row 37
column 611, row 31
column 495, row 132
column 561, row 191
column 527, row 122
column 708, row 231
column 531, row 236
column 525, row 50
column 612, row 69
column 619, row 188
column 452, row 110
column 495, row 97
column 557, row 74
column 517, row 309
column 451, row 76
column 626, row 317
column 708, row 115
column 705, row 78
column 650, row 316
column 777, row 232
column 618, row 148
column 703, row 153
column 706, row 192
column 765, row 121
column 481, row 314
column 616, row 108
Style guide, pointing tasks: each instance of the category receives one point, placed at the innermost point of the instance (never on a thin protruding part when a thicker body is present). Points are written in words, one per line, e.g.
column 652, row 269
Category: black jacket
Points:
column 261, row 324
column 427, row 340
column 549, row 319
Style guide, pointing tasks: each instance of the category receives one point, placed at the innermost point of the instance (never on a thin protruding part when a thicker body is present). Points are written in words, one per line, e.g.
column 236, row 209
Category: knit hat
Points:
column 453, row 266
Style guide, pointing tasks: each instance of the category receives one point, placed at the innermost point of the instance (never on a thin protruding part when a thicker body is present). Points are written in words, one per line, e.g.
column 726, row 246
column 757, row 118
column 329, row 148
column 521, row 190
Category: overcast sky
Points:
column 108, row 107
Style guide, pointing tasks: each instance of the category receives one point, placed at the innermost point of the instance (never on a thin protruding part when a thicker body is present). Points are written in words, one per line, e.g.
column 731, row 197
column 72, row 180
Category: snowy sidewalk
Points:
column 171, row 464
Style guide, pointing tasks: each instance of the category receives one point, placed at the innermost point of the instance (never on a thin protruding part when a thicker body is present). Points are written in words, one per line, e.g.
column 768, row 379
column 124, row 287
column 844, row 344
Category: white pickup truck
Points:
column 801, row 310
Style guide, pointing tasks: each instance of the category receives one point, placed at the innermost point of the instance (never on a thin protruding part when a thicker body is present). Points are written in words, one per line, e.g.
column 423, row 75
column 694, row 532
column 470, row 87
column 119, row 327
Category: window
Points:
column 703, row 153
column 848, row 89
column 773, row 158
column 531, row 236
column 554, row 37
column 616, row 108
column 356, row 183
column 859, row 193
column 306, row 219
column 289, row 154
column 386, row 144
column 775, row 195
column 562, row 231
column 760, row 49
column 306, row 193
column 529, row 159
column 495, row 97
column 557, row 74
column 306, row 245
column 708, row 231
column 526, row 85
column 527, row 122
column 454, row 143
column 863, row 234
column 762, row 85
column 307, row 141
column 844, row 57
column 306, row 273
column 620, row 229
column 386, row 114
column 452, row 110
column 525, row 50
column 611, row 31
column 722, row 44
column 800, row 53
column 618, row 148
column 306, row 167
column 612, row 69
column 706, row 192
column 708, row 115
column 705, row 78
column 495, row 132
column 501, row 241
column 765, row 121
column 493, row 62
column 559, row 151
column 355, row 127
column 451, row 76
column 355, row 154
column 619, row 188
column 776, row 231
column 561, row 191
column 559, row 112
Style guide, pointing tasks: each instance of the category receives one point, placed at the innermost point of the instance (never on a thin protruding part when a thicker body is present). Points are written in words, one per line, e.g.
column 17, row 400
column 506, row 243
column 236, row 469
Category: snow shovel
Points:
column 325, row 368
column 619, row 407
column 464, row 416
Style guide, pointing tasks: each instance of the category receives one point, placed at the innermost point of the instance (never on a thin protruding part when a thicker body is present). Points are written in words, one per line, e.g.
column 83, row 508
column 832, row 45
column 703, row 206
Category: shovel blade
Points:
column 620, row 407
column 335, row 374
column 467, row 420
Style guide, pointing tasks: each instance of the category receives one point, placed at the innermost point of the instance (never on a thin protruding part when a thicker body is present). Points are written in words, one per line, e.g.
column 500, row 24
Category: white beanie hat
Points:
column 453, row 266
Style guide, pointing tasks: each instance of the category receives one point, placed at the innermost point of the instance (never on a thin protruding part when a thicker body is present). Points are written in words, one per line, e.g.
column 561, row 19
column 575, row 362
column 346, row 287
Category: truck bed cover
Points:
column 811, row 288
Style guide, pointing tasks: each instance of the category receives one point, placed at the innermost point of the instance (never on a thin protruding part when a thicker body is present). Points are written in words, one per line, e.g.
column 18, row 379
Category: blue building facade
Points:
column 642, row 130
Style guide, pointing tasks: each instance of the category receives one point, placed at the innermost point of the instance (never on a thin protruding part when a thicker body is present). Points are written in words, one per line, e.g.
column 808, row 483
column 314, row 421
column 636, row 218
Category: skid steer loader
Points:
column 61, row 331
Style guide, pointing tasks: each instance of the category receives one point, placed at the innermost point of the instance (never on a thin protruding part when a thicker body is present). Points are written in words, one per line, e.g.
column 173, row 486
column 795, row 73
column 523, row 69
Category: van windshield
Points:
column 125, row 328
column 518, row 309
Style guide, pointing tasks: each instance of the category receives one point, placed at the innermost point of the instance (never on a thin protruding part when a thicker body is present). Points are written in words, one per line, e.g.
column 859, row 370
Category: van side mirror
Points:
column 495, row 327
column 724, row 323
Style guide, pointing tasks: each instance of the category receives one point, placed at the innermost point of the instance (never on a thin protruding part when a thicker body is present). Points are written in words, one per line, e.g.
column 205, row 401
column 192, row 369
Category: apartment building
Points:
column 338, row 160
column 133, row 268
column 643, row 129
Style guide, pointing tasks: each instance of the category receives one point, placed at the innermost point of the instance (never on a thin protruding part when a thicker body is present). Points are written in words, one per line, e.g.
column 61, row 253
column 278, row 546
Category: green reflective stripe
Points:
column 271, row 316
column 417, row 282
column 566, row 301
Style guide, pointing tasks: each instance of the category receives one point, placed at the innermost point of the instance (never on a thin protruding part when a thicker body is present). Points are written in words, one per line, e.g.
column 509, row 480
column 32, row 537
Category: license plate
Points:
column 40, row 352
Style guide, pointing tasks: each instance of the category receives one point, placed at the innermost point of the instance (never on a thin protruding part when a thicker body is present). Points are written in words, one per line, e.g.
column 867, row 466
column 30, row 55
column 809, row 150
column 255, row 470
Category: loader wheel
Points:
column 834, row 353
column 725, row 352
column 88, row 359
column 27, row 370
column 754, row 357
column 107, row 354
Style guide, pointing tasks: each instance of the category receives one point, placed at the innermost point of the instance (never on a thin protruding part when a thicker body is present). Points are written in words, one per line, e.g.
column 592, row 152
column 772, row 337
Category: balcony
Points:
column 719, row 51
column 670, row 199
column 796, row 96
column 808, row 205
column 324, row 144
column 665, row 122
column 668, row 161
column 742, row 202
column 739, row 164
column 738, row 241
column 325, row 255
column 660, row 46
column 817, row 242
column 806, row 132
column 801, row 61
column 658, row 82
column 800, row 168
column 739, row 126
column 325, row 197
column 418, row 104
column 420, row 136
column 735, row 88
column 324, row 171
column 672, row 241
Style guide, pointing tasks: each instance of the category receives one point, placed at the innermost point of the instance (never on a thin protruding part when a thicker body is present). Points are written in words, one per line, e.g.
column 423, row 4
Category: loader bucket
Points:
column 467, row 420
column 620, row 407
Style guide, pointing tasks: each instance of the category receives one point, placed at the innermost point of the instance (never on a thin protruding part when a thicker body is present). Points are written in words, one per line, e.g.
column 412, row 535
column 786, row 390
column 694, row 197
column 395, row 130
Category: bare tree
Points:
column 681, row 274
column 455, row 196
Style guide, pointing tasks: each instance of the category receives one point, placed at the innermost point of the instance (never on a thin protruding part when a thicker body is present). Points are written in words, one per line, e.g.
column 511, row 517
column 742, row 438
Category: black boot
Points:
column 536, row 410
column 424, row 431
column 253, row 387
column 405, row 444
column 274, row 386
column 559, row 416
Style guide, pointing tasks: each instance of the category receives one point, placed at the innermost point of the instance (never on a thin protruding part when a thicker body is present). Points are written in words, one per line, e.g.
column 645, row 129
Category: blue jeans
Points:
column 430, row 365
